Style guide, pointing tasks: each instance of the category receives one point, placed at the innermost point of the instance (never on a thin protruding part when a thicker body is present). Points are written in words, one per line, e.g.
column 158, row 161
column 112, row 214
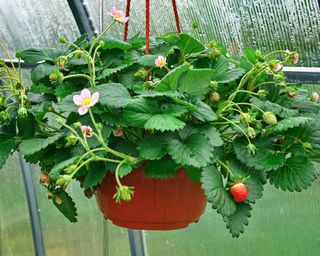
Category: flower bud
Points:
column 59, row 120
column 99, row 126
column 71, row 168
column 142, row 73
column 314, row 97
column 63, row 40
column 213, row 85
column 101, row 43
column 63, row 180
column 275, row 66
column 295, row 58
column 71, row 140
column 124, row 193
column 195, row 25
column 252, row 148
column 307, row 145
column 269, row 118
column 292, row 94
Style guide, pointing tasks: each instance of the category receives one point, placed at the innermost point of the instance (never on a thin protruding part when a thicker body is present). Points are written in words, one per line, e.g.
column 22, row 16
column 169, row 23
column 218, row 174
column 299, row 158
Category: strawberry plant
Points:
column 101, row 105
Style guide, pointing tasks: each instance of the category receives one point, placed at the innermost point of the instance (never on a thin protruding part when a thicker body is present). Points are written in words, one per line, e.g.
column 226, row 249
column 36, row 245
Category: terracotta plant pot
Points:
column 158, row 204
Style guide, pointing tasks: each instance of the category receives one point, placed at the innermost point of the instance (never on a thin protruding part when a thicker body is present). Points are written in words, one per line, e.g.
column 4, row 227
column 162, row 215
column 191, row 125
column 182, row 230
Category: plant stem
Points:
column 77, row 75
column 117, row 173
column 226, row 167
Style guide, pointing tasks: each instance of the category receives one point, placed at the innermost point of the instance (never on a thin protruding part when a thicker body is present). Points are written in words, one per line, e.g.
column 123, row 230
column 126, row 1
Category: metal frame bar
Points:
column 137, row 243
column 83, row 19
column 35, row 221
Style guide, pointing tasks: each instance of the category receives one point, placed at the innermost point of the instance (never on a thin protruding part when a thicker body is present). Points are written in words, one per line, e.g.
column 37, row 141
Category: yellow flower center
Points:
column 117, row 16
column 86, row 102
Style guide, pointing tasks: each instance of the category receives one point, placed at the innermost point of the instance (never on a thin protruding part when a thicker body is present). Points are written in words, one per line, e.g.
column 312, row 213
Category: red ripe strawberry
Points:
column 240, row 192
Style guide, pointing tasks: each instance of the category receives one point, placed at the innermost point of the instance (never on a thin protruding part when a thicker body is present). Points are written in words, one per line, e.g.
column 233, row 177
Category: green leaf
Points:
column 204, row 113
column 253, row 183
column 106, row 72
column 239, row 219
column 171, row 81
column 193, row 173
column 56, row 170
column 161, row 169
column 124, row 170
column 189, row 44
column 287, row 123
column 298, row 173
column 31, row 146
column 113, row 95
column 113, row 43
column 67, row 207
column 41, row 88
column 147, row 60
column 150, row 114
column 34, row 55
column 215, row 191
column 274, row 107
column 64, row 89
column 228, row 76
column 194, row 150
column 154, row 146
column 95, row 174
column 6, row 146
column 264, row 159
column 195, row 82
column 221, row 73
column 42, row 71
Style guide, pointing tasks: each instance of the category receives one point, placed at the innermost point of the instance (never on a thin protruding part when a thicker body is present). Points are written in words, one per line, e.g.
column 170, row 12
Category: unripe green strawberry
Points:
column 314, row 97
column 53, row 76
column 269, row 118
column 251, row 133
column 214, row 97
column 245, row 118
column 240, row 192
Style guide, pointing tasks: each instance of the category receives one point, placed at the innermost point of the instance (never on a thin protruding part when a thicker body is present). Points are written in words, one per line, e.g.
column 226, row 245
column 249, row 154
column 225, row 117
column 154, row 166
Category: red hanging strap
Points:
column 176, row 15
column 126, row 25
column 147, row 26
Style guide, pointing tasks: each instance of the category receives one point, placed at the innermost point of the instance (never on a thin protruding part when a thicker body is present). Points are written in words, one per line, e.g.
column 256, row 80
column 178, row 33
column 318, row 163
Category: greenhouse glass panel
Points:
column 263, row 24
column 15, row 227
column 35, row 23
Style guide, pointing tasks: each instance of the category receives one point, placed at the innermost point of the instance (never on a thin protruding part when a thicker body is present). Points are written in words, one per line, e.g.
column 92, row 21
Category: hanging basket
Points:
column 157, row 204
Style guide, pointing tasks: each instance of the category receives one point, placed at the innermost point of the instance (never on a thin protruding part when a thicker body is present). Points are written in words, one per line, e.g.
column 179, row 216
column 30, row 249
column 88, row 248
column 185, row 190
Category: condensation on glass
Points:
column 35, row 23
column 263, row 24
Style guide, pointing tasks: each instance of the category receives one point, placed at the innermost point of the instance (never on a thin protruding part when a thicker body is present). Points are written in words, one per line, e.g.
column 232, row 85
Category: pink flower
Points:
column 118, row 15
column 161, row 61
column 295, row 58
column 86, row 130
column 85, row 101
column 278, row 67
column 315, row 96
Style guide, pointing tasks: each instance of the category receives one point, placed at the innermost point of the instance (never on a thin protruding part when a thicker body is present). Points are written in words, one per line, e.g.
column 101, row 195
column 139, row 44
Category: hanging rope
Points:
column 147, row 26
column 176, row 15
column 126, row 25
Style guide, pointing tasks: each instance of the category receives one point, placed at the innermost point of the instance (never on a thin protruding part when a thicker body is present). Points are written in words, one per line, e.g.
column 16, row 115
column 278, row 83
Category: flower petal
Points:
column 123, row 20
column 95, row 98
column 77, row 100
column 83, row 110
column 113, row 11
column 85, row 93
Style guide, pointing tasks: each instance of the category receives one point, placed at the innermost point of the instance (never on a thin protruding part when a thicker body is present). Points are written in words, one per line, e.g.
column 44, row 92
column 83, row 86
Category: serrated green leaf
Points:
column 31, row 146
column 264, row 159
column 67, row 206
column 41, row 88
column 26, row 126
column 171, row 81
column 154, row 146
column 106, row 72
column 147, row 60
column 56, row 170
column 237, row 221
column 150, row 114
column 42, row 71
column 161, row 169
column 297, row 174
column 274, row 107
column 193, row 173
column 64, row 89
column 6, row 146
column 287, row 123
column 189, row 44
column 215, row 191
column 229, row 75
column 195, row 82
column 193, row 150
column 34, row 55
column 253, row 183
column 113, row 43
column 95, row 174
column 112, row 95
column 124, row 170
column 204, row 113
